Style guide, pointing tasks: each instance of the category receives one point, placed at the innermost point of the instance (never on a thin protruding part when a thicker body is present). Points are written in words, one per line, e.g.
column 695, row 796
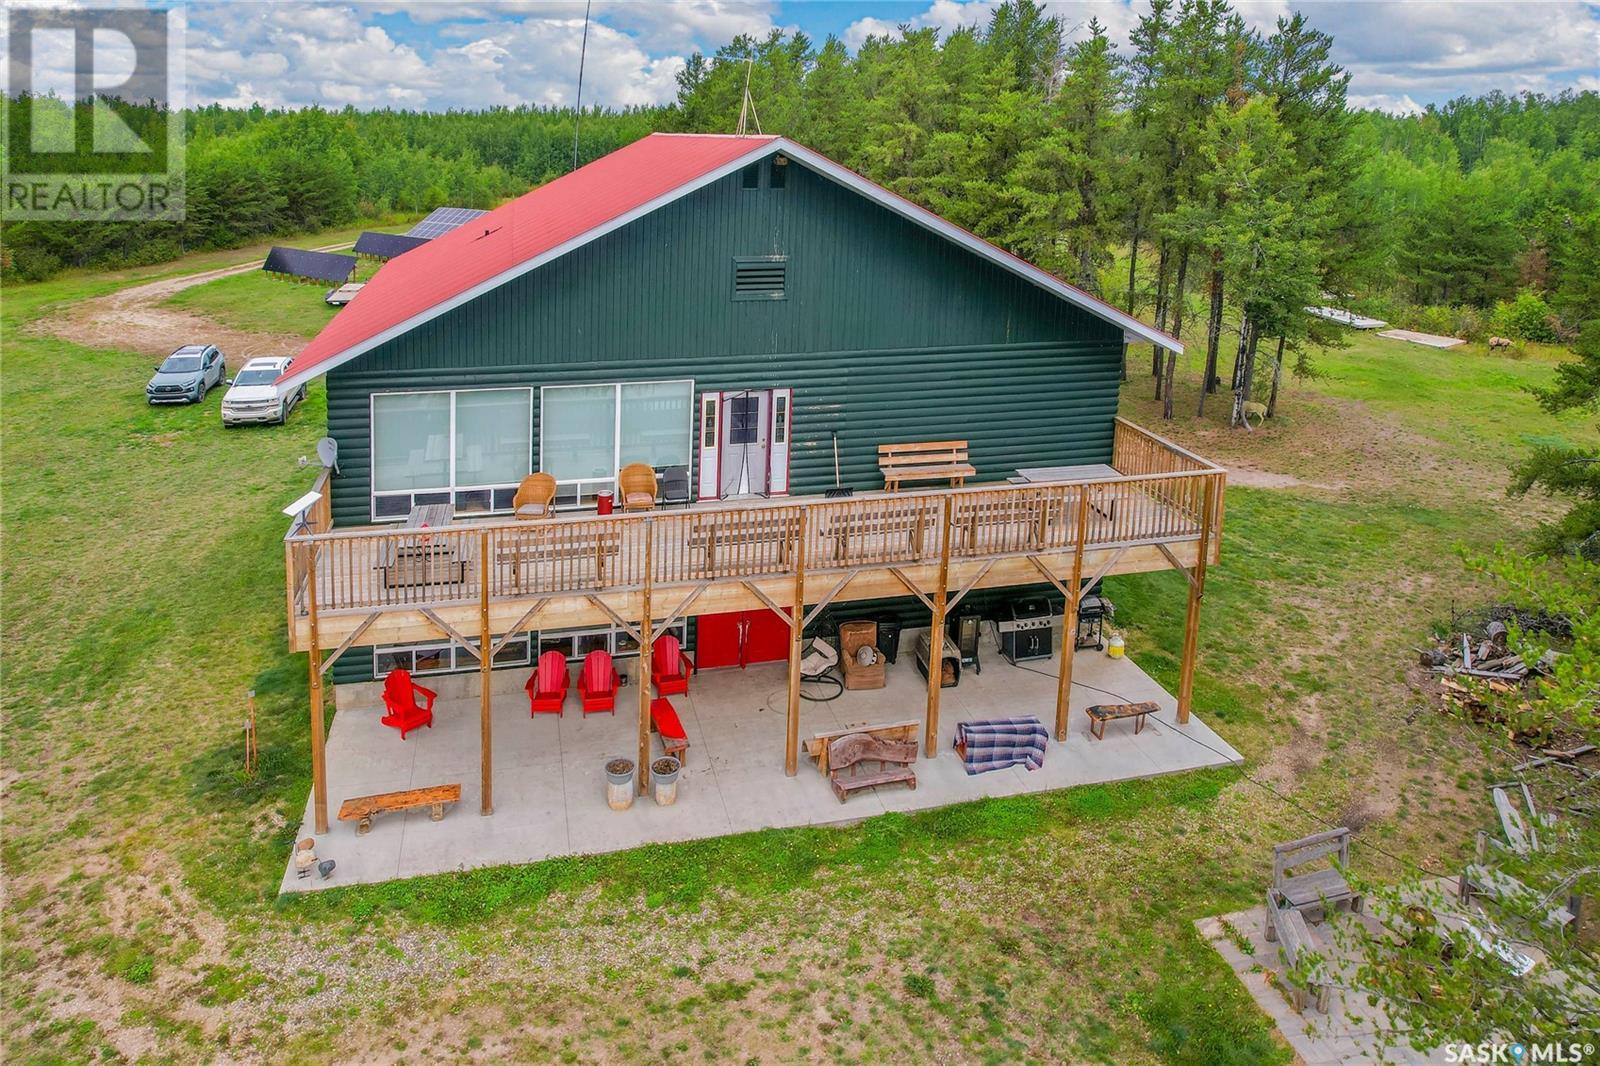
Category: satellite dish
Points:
column 328, row 452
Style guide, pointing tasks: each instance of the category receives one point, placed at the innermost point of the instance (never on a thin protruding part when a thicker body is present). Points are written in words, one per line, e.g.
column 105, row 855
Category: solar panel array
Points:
column 314, row 266
column 386, row 245
column 442, row 220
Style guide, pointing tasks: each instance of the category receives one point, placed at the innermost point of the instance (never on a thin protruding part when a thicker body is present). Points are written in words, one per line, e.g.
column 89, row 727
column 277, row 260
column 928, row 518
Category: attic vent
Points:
column 760, row 277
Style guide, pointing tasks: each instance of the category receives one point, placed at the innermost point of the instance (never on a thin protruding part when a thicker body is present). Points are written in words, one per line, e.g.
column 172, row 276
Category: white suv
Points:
column 253, row 396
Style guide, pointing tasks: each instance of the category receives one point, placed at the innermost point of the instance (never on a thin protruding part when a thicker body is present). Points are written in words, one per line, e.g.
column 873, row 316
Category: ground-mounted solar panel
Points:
column 310, row 266
column 386, row 245
column 443, row 220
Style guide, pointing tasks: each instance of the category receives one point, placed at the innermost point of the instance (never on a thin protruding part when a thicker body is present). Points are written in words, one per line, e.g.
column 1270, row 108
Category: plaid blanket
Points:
column 1001, row 742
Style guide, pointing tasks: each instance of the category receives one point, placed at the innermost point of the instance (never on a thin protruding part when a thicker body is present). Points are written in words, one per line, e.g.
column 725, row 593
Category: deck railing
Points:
column 1158, row 497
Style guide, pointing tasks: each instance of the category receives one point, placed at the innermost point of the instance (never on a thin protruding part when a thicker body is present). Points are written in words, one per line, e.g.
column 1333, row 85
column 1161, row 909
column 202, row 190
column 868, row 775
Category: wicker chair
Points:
column 636, row 482
column 853, row 636
column 535, row 496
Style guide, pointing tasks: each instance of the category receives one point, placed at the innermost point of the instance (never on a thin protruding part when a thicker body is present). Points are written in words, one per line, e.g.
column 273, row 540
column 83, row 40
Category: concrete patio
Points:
column 549, row 785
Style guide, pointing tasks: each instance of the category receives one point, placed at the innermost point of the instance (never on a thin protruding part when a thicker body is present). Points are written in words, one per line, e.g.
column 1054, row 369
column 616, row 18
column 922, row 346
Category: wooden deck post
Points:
column 646, row 640
column 319, row 756
column 930, row 730
column 1069, row 620
column 485, row 659
column 1197, row 591
column 797, row 625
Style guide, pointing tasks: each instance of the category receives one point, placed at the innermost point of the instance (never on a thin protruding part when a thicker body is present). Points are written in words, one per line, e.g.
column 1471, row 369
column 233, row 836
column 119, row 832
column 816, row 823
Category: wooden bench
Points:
column 851, row 530
column 1101, row 713
column 1313, row 892
column 664, row 720
column 534, row 550
column 817, row 744
column 361, row 809
column 937, row 460
column 847, row 753
column 746, row 546
column 1287, row 928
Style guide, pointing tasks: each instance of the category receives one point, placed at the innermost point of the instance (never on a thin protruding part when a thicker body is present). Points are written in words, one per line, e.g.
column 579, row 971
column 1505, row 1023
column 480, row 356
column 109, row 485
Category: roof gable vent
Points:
column 760, row 277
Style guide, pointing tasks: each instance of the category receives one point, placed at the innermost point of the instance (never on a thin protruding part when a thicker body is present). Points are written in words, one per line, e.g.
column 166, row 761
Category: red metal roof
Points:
column 532, row 225
column 579, row 206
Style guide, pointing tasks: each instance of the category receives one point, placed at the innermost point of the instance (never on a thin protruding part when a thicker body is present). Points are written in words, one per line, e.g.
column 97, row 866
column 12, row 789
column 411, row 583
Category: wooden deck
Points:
column 380, row 584
column 478, row 583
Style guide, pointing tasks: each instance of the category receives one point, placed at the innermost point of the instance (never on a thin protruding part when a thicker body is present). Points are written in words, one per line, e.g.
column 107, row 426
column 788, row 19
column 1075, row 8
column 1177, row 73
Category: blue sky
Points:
column 471, row 53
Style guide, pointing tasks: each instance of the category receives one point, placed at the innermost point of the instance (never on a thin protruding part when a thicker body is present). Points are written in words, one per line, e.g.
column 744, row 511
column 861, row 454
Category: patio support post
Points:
column 319, row 757
column 1197, row 590
column 797, row 625
column 1069, row 620
column 485, row 658
column 936, row 639
column 646, row 649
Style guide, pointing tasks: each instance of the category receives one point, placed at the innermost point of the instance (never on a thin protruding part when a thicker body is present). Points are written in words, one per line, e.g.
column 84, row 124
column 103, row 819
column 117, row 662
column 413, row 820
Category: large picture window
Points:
column 589, row 432
column 470, row 448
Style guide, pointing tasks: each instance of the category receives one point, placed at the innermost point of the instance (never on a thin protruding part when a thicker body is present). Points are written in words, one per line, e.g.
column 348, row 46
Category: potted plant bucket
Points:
column 619, row 783
column 664, row 780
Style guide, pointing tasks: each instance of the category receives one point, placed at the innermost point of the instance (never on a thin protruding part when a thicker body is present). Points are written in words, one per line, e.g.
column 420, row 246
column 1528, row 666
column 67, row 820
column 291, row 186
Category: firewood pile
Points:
column 1479, row 675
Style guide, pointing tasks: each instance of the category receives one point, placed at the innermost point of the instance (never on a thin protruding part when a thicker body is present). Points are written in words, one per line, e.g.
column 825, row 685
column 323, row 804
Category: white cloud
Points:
column 1396, row 52
column 1395, row 105
column 486, row 52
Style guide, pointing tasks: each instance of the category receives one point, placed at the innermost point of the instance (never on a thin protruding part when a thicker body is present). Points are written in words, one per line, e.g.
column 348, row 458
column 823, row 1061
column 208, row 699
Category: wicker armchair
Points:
column 535, row 497
column 853, row 636
column 636, row 483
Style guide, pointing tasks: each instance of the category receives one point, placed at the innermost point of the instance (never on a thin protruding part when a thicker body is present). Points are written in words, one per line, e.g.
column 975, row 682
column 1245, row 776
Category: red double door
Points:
column 739, row 638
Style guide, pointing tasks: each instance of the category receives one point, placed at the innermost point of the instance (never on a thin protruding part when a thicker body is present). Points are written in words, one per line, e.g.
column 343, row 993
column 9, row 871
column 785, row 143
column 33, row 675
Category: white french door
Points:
column 744, row 443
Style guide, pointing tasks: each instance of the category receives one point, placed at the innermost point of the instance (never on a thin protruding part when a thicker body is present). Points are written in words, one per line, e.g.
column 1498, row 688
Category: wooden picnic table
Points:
column 425, row 559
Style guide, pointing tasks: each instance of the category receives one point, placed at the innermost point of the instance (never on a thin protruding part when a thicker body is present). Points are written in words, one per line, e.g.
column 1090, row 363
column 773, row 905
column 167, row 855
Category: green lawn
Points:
column 143, row 565
column 261, row 302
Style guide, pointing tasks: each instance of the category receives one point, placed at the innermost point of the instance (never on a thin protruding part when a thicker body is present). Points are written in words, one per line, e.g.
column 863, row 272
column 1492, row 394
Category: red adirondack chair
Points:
column 547, row 686
column 410, row 705
column 670, row 667
column 597, row 683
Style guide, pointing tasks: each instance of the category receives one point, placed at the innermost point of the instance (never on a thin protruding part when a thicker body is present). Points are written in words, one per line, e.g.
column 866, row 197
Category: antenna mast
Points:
column 747, row 108
column 583, row 51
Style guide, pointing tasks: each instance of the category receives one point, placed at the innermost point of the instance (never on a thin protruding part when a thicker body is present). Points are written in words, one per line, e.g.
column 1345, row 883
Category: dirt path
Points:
column 135, row 319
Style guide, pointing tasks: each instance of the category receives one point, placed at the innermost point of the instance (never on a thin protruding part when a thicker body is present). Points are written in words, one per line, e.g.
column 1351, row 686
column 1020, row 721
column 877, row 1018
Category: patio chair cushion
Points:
column 638, row 499
column 533, row 510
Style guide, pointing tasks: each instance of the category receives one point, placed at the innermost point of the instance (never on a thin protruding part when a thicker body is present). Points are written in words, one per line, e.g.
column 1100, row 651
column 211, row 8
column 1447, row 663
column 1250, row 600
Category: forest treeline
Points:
column 1204, row 175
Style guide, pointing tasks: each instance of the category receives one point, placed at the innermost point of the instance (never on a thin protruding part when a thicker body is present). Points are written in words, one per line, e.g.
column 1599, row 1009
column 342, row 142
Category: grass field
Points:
column 143, row 574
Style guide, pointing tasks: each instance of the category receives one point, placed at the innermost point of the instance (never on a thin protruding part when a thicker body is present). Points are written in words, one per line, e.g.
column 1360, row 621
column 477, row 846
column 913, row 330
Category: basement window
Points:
column 760, row 277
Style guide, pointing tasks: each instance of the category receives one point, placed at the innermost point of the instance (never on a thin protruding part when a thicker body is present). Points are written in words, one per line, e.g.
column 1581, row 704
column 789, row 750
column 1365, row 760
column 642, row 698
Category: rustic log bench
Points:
column 361, row 809
column 1315, row 891
column 938, row 460
column 1101, row 713
column 817, row 744
column 847, row 753
column 1287, row 928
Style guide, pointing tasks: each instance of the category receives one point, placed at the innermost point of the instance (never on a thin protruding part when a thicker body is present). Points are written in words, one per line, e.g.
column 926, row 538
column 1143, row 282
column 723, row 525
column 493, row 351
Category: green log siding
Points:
column 888, row 333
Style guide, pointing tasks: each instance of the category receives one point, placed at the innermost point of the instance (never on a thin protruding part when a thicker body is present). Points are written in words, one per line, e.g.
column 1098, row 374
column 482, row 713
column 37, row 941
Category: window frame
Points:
column 460, row 662
column 451, row 490
column 583, row 490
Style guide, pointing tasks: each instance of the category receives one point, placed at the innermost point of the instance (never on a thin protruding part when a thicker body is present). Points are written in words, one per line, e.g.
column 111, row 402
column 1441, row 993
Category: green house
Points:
column 754, row 323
